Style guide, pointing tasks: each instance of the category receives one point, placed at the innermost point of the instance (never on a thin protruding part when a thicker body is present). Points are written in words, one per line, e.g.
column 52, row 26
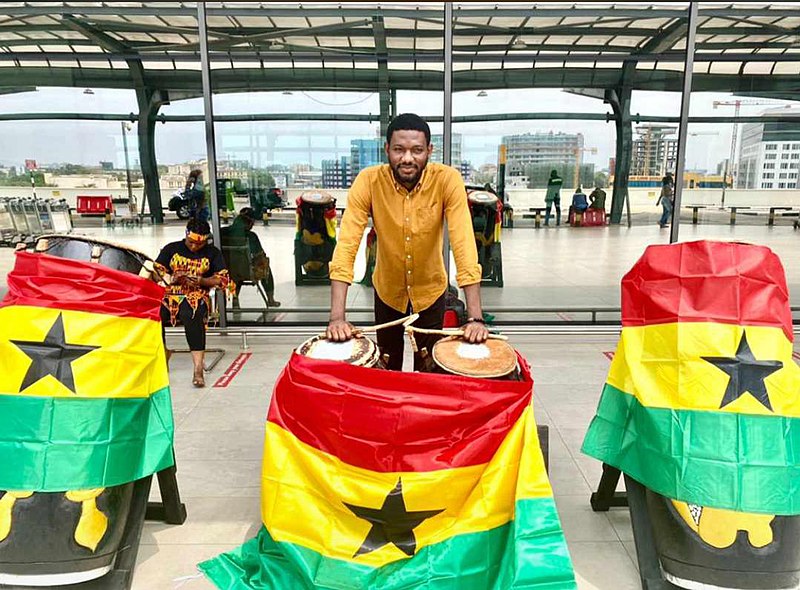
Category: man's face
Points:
column 408, row 153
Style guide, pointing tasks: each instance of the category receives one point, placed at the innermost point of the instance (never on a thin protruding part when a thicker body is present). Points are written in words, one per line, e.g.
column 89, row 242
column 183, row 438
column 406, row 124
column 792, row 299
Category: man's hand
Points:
column 339, row 330
column 475, row 332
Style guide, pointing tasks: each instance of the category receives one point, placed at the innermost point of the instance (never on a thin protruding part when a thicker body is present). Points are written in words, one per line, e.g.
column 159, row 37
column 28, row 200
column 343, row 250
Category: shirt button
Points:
column 407, row 219
column 409, row 272
column 409, row 256
column 408, row 238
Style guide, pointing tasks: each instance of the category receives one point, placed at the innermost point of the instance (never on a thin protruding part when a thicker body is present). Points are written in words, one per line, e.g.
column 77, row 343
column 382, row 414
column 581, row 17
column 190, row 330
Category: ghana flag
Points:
column 380, row 481
column 84, row 391
column 702, row 400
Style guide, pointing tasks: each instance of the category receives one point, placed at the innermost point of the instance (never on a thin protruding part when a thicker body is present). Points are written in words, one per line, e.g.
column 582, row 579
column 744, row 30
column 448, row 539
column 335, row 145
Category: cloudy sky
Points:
column 88, row 142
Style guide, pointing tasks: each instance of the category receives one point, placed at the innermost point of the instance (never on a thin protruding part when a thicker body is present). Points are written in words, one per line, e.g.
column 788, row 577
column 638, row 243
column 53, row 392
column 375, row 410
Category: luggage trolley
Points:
column 7, row 229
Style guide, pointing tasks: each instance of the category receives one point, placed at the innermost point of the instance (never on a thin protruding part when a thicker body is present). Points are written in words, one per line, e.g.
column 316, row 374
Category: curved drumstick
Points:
column 451, row 333
column 405, row 322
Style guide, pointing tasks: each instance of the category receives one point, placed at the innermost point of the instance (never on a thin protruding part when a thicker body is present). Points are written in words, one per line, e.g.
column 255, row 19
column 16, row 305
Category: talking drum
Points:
column 703, row 548
column 58, row 538
column 358, row 351
column 493, row 359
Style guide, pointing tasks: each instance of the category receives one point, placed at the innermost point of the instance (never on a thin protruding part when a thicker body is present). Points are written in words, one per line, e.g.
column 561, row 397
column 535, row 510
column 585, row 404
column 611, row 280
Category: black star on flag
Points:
column 746, row 374
column 391, row 523
column 53, row 356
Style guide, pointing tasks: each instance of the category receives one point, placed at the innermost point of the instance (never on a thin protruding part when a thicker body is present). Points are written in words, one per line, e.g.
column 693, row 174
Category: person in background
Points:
column 242, row 227
column 409, row 200
column 579, row 203
column 666, row 199
column 553, row 197
column 194, row 268
column 597, row 199
column 194, row 192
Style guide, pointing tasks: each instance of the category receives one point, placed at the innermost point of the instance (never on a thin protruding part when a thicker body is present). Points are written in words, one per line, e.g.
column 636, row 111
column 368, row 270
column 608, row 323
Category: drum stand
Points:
column 635, row 499
column 169, row 510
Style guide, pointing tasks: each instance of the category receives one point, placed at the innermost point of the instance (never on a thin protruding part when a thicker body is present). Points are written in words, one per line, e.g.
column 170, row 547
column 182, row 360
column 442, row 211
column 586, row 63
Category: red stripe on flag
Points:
column 40, row 280
column 233, row 370
column 707, row 281
column 391, row 421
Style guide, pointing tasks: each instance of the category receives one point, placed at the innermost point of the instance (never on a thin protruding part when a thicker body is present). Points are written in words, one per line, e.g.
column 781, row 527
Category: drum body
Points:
column 56, row 538
column 358, row 351
column 493, row 359
column 316, row 232
column 701, row 548
column 90, row 249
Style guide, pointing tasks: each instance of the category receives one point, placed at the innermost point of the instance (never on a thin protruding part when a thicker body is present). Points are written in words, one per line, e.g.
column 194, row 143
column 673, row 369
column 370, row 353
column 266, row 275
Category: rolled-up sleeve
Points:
column 354, row 222
column 459, row 227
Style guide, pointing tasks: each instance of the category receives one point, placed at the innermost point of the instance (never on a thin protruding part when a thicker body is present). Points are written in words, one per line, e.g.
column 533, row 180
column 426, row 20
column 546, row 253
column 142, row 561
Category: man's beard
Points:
column 412, row 180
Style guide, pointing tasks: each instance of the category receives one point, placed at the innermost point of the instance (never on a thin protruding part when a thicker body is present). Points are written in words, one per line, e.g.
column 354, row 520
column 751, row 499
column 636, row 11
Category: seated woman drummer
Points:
column 195, row 267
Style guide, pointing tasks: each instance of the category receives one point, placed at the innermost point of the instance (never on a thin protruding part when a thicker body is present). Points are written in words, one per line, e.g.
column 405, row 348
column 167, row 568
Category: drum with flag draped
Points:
column 701, row 406
column 377, row 480
column 83, row 383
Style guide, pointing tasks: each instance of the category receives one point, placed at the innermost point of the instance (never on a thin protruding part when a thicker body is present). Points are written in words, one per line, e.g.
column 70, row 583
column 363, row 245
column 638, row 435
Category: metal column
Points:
column 211, row 149
column 447, row 122
column 620, row 101
column 683, row 125
column 150, row 102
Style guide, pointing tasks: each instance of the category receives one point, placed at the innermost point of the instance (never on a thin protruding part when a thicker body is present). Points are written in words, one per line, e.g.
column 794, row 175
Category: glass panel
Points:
column 303, row 113
column 742, row 175
column 551, row 103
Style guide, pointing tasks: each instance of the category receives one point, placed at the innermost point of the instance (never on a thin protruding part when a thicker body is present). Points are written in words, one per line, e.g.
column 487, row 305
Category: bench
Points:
column 756, row 210
column 772, row 210
column 695, row 209
column 733, row 212
column 537, row 213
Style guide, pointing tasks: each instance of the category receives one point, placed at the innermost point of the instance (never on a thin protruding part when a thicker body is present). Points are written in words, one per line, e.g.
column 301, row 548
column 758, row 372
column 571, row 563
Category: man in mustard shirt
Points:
column 409, row 200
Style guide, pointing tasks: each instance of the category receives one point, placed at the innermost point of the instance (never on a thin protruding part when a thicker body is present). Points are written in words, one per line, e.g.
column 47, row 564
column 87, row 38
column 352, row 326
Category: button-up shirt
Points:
column 410, row 227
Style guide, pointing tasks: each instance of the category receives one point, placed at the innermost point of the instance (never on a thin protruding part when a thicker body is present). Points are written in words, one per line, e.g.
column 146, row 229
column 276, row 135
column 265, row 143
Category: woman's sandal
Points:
column 199, row 381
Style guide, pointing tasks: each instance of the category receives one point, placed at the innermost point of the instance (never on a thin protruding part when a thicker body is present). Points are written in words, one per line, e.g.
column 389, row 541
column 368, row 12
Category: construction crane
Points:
column 578, row 159
column 737, row 104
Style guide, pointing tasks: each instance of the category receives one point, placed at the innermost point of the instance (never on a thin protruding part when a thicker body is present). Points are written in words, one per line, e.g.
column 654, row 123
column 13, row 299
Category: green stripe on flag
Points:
column 529, row 552
column 724, row 460
column 51, row 444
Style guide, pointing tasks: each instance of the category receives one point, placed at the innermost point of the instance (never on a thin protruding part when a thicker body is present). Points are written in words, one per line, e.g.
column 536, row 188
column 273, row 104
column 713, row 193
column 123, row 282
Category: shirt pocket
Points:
column 428, row 218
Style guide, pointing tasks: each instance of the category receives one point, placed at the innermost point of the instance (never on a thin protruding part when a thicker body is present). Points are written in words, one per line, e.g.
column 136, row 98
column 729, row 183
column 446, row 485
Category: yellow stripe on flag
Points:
column 304, row 491
column 662, row 366
column 128, row 361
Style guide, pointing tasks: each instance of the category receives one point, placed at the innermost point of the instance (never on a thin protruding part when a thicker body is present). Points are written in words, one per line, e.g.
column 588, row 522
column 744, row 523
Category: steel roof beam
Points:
column 665, row 39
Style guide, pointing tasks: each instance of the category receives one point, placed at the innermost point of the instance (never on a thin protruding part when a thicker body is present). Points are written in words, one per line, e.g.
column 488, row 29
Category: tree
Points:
column 600, row 179
column 260, row 178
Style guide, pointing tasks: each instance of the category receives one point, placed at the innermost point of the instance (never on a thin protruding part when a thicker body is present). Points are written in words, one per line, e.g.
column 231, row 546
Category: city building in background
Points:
column 455, row 149
column 364, row 153
column 531, row 157
column 654, row 150
column 769, row 155
column 336, row 173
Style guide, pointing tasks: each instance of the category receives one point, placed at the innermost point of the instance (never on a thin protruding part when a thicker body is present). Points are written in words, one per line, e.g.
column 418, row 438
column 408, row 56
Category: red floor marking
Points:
column 564, row 316
column 233, row 370
column 796, row 355
column 609, row 354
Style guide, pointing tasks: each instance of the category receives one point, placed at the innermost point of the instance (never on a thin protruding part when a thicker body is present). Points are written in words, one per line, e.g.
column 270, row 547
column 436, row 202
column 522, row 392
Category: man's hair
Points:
column 408, row 122
column 248, row 213
column 198, row 226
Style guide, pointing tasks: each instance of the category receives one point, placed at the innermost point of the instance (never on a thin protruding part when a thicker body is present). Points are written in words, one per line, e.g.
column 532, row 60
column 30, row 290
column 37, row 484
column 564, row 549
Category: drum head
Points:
column 357, row 351
column 112, row 255
column 317, row 197
column 493, row 358
column 482, row 197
